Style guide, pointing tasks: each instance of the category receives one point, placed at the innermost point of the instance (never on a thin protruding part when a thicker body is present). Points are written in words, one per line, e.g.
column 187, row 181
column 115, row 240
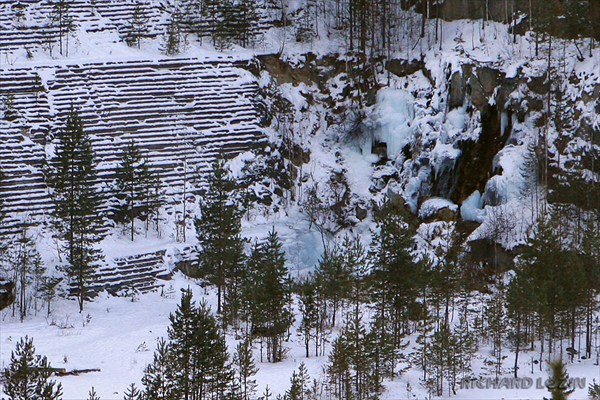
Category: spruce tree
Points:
column 181, row 338
column 268, row 292
column 27, row 375
column 132, row 393
column 92, row 395
column 221, row 257
column 72, row 176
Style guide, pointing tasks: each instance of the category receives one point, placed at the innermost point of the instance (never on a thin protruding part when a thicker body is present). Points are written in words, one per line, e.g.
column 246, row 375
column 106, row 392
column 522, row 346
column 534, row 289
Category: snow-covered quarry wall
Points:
column 183, row 113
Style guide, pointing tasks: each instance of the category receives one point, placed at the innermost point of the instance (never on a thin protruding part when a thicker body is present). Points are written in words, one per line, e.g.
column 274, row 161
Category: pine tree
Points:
column 61, row 18
column 559, row 284
column 138, row 26
column 268, row 293
column 338, row 369
column 234, row 389
column 134, row 185
column 2, row 213
column 444, row 276
column 173, row 36
column 353, row 362
column 442, row 349
column 333, row 279
column 72, row 176
column 466, row 344
column 395, row 278
column 519, row 311
column 132, row 393
column 27, row 269
column 218, row 228
column 219, row 15
column 200, row 354
column 309, row 311
column 590, row 262
column 448, row 355
column 497, row 325
column 245, row 369
column 594, row 391
column 298, row 384
column 159, row 376
column 193, row 18
column 92, row 395
column 241, row 22
column 421, row 357
column 181, row 337
column 48, row 291
column 558, row 381
column 8, row 110
column 385, row 347
column 27, row 375
column 355, row 262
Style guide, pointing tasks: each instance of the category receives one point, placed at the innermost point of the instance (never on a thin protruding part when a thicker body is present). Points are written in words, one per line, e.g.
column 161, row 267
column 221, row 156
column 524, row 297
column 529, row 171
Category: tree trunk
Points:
column 517, row 345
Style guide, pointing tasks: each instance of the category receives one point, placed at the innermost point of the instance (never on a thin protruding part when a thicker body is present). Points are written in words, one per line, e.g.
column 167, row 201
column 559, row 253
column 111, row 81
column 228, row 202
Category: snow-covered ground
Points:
column 118, row 336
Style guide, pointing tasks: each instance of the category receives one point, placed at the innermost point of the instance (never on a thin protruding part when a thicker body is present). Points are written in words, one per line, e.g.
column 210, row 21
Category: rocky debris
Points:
column 7, row 294
column 438, row 209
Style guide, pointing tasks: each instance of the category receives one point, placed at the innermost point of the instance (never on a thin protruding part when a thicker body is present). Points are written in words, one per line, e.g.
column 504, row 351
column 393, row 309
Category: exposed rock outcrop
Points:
column 7, row 294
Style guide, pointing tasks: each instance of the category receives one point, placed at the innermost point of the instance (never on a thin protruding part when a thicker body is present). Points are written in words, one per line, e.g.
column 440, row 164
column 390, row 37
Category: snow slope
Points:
column 119, row 335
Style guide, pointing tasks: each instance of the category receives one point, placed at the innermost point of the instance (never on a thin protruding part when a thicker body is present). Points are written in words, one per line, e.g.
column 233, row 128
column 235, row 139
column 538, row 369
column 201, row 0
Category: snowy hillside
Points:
column 402, row 197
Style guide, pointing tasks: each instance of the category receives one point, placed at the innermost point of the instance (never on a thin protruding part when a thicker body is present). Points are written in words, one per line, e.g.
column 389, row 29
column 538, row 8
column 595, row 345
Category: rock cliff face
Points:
column 506, row 111
column 7, row 294
column 467, row 127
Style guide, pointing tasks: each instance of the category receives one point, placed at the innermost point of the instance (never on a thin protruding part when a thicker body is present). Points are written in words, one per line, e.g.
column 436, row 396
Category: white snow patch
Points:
column 471, row 208
column 431, row 206
column 395, row 113
column 444, row 156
